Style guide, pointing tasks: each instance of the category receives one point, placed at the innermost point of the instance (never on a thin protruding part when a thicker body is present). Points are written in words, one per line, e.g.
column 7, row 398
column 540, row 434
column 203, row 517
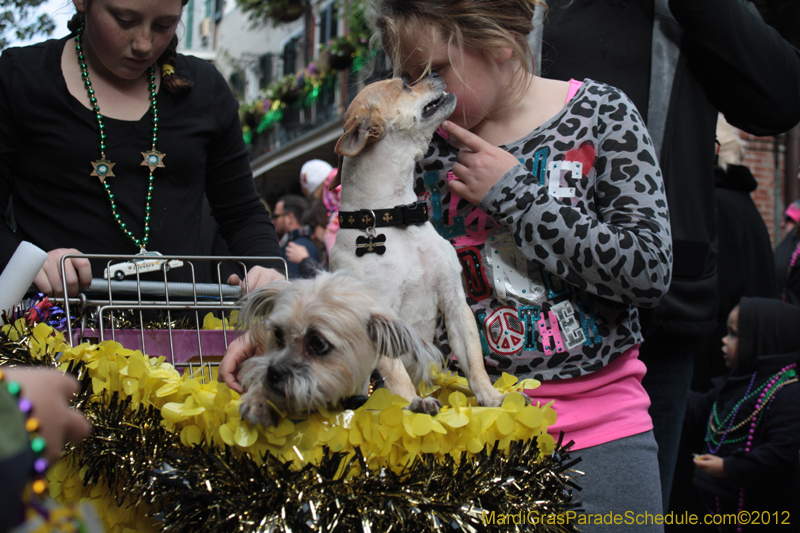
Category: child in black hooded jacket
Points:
column 752, row 417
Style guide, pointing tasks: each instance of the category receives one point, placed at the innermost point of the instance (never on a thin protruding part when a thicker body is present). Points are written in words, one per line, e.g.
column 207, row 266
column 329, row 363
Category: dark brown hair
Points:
column 173, row 83
column 316, row 214
column 295, row 204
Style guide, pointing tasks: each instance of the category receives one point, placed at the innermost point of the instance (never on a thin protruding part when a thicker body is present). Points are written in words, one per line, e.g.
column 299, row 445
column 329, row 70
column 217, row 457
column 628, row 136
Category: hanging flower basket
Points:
column 278, row 11
column 342, row 57
column 286, row 12
column 285, row 89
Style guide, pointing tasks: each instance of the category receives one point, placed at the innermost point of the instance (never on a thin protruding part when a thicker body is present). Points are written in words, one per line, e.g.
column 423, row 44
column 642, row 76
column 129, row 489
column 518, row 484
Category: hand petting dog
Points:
column 239, row 351
column 480, row 164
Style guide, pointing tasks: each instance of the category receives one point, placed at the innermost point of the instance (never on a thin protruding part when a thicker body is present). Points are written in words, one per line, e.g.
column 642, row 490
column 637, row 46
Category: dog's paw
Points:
column 257, row 410
column 429, row 406
column 496, row 400
column 490, row 398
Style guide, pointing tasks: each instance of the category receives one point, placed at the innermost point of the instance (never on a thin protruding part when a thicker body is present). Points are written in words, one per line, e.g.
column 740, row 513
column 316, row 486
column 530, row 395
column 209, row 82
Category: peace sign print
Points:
column 505, row 334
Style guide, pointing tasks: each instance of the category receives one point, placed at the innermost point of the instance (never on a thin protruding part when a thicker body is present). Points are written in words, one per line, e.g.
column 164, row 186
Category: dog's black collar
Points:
column 399, row 215
column 354, row 402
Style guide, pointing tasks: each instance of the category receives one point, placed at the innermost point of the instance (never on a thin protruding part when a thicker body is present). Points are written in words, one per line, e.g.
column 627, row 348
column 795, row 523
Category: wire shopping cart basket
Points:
column 163, row 317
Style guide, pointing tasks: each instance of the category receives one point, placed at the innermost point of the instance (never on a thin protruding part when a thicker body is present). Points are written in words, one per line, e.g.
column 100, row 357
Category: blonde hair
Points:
column 486, row 25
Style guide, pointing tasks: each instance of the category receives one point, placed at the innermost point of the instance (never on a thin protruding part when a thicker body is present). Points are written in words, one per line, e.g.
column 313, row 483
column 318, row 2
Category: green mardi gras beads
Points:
column 103, row 168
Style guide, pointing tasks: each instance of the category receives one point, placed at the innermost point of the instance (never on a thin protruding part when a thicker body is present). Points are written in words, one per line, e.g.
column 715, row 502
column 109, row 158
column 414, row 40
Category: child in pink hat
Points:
column 790, row 218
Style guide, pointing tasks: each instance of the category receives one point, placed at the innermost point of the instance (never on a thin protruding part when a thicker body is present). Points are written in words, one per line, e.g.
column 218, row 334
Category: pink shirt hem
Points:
column 600, row 407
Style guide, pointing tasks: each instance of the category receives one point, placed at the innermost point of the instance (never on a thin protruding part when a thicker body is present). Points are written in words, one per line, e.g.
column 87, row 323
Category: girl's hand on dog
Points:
column 480, row 164
column 239, row 351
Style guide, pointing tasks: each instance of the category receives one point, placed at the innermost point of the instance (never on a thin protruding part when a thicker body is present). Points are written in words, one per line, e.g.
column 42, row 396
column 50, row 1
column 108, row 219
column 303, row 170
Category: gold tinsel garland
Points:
column 171, row 453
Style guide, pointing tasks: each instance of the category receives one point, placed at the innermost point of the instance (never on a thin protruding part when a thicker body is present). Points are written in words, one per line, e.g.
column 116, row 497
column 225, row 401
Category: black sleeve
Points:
column 776, row 454
column 8, row 146
column 699, row 405
column 749, row 72
column 243, row 220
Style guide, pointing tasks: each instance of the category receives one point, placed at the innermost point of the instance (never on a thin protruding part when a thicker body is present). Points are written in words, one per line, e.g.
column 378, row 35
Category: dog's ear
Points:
column 258, row 305
column 394, row 338
column 337, row 179
column 359, row 130
column 391, row 338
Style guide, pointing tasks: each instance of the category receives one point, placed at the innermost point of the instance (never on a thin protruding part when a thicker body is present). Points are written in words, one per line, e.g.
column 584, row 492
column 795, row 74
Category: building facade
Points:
column 294, row 78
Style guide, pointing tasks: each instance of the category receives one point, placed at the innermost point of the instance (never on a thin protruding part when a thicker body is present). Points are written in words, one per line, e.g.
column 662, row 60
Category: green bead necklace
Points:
column 717, row 433
column 103, row 168
column 716, row 427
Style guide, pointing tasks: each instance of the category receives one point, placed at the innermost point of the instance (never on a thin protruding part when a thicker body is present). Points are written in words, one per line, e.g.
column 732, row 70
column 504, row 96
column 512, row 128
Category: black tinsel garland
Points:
column 221, row 492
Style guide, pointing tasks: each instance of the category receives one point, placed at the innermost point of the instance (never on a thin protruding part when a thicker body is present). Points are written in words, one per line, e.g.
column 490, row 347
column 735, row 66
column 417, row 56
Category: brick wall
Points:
column 760, row 157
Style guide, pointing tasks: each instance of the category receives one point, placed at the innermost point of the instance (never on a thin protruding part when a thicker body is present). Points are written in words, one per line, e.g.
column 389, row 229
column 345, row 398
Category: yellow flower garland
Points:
column 207, row 413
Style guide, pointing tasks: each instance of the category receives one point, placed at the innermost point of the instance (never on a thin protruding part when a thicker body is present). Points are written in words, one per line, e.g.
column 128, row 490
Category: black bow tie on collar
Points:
column 399, row 215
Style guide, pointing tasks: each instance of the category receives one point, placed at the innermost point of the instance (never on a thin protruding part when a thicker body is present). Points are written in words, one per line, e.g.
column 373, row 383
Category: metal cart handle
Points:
column 176, row 288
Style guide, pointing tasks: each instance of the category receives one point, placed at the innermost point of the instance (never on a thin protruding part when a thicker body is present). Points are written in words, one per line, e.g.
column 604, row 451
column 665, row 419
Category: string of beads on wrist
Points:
column 32, row 424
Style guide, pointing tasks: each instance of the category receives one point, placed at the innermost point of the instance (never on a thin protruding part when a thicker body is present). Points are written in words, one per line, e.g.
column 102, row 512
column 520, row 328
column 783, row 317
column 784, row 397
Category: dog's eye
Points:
column 406, row 82
column 318, row 345
column 278, row 334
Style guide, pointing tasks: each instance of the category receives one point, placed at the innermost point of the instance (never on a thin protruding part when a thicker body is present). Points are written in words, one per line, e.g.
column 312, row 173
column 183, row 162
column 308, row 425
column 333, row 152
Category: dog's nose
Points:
column 275, row 373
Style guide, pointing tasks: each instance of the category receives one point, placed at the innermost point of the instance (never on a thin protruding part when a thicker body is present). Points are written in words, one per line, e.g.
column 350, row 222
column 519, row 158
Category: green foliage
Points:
column 17, row 18
column 285, row 89
column 357, row 24
column 302, row 89
column 261, row 11
column 353, row 47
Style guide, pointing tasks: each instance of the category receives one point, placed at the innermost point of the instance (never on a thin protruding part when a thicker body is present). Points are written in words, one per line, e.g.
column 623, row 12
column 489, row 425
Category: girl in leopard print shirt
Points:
column 552, row 195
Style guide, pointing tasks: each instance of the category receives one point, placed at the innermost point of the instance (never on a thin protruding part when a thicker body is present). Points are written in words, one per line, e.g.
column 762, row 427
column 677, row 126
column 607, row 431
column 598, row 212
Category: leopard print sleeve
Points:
column 587, row 202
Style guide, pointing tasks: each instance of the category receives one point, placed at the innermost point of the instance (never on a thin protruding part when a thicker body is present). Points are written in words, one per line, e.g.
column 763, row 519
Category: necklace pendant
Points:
column 102, row 169
column 153, row 159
